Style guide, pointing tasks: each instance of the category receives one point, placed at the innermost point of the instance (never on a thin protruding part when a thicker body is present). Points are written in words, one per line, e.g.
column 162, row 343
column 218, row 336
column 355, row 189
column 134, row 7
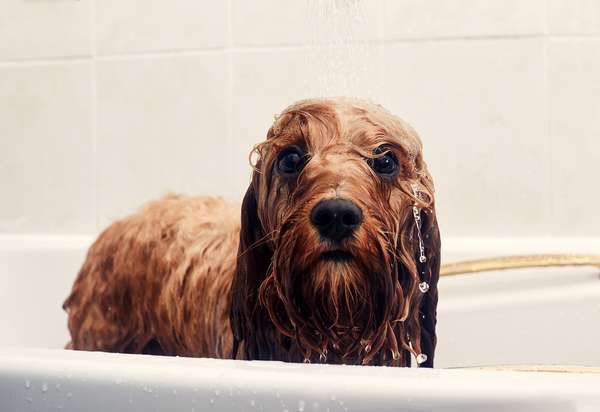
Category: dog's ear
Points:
column 253, row 259
column 431, row 269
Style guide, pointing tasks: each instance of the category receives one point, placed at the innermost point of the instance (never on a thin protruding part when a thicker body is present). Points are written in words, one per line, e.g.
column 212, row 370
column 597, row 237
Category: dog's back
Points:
column 158, row 281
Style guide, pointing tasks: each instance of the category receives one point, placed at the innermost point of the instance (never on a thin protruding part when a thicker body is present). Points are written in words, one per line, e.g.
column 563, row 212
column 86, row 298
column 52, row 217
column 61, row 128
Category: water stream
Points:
column 343, row 57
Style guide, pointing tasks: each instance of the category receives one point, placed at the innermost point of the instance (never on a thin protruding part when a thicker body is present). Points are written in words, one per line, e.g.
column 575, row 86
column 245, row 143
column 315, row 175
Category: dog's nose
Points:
column 336, row 219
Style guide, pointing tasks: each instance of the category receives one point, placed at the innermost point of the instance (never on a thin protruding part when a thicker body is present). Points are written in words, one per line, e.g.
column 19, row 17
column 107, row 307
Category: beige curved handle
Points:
column 516, row 262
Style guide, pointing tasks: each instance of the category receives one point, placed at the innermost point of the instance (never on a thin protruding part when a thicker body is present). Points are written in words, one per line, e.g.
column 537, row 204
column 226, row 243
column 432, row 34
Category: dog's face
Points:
column 329, row 261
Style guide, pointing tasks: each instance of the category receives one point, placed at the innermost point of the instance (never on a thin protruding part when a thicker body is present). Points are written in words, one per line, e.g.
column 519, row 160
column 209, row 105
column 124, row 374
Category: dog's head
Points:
column 339, row 246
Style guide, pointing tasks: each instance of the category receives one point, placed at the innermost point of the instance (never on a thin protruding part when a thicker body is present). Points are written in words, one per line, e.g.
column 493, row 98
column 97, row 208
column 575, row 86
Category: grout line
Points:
column 230, row 50
column 550, row 208
column 273, row 48
column 383, row 93
column 229, row 55
column 452, row 38
column 229, row 24
column 495, row 37
column 381, row 18
column 548, row 197
column 94, row 97
column 45, row 61
column 162, row 53
column 545, row 16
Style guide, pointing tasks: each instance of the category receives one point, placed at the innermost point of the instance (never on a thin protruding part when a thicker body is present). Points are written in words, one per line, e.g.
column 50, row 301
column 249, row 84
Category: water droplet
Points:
column 286, row 410
column 69, row 395
column 423, row 287
column 422, row 259
column 174, row 391
column 57, row 387
column 253, row 403
column 301, row 406
column 29, row 400
column 217, row 392
column 27, row 384
column 332, row 397
column 44, row 387
column 421, row 357
column 212, row 401
column 277, row 395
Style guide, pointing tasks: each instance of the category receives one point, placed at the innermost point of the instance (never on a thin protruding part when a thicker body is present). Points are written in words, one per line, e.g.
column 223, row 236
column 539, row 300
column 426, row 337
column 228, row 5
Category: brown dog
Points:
column 337, row 259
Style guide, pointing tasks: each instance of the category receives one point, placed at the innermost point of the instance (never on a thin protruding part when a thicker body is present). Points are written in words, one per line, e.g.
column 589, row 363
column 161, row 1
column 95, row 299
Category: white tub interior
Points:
column 42, row 380
column 529, row 316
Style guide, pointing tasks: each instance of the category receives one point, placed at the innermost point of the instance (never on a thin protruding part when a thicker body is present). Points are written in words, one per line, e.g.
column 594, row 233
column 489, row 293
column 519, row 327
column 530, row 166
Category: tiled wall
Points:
column 105, row 104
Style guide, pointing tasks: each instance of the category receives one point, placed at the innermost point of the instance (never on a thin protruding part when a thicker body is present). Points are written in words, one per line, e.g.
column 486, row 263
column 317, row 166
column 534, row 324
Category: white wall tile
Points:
column 162, row 126
column 293, row 22
column 462, row 18
column 46, row 149
column 39, row 29
column 266, row 82
column 574, row 16
column 261, row 89
column 480, row 105
column 574, row 111
column 479, row 108
column 158, row 25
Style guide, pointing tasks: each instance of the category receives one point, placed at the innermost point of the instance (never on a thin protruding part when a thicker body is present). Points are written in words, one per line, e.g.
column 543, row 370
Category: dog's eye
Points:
column 290, row 161
column 386, row 164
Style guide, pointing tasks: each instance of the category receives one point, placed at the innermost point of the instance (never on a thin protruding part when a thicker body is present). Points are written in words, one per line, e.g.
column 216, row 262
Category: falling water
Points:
column 343, row 57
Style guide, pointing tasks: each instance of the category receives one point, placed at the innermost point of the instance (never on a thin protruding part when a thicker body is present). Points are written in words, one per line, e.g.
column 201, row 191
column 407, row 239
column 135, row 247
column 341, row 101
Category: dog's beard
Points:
column 340, row 307
column 336, row 310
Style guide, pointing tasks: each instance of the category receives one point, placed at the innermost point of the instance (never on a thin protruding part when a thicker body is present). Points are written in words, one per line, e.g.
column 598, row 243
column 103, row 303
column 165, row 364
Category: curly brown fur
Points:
column 168, row 280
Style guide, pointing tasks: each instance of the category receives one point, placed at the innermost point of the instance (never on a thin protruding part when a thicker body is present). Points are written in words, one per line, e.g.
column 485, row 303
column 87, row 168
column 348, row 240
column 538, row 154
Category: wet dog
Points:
column 335, row 258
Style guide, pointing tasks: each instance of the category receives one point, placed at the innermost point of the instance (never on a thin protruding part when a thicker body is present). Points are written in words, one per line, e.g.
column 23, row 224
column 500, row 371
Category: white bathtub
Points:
column 533, row 316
